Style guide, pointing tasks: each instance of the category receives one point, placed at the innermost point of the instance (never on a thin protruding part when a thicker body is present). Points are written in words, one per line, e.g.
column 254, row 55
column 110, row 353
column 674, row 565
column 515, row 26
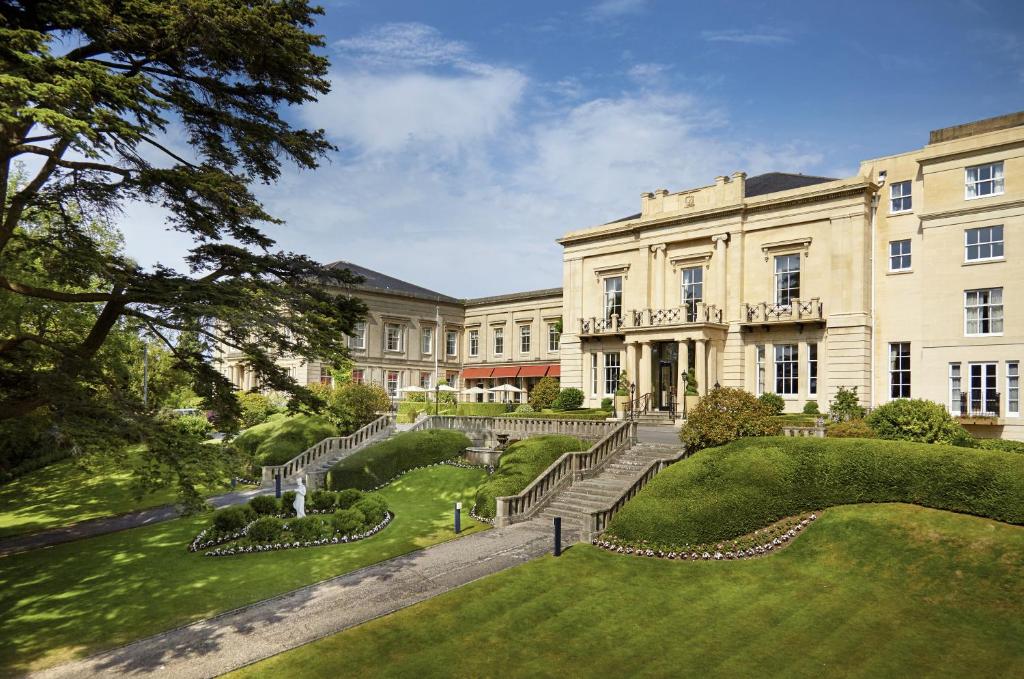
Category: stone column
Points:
column 644, row 382
column 658, row 272
column 684, row 363
column 701, row 365
column 712, row 364
column 719, row 296
column 631, row 364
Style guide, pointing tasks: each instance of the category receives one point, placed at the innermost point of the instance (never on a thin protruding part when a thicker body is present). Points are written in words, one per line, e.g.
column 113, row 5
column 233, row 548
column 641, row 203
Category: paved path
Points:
column 237, row 638
column 112, row 524
column 658, row 434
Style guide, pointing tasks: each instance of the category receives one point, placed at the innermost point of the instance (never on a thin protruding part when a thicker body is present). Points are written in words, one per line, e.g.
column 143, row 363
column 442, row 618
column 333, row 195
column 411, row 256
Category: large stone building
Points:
column 899, row 281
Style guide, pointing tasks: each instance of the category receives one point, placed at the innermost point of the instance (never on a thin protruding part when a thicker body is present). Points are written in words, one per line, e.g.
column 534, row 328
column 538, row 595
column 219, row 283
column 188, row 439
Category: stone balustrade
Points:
column 326, row 448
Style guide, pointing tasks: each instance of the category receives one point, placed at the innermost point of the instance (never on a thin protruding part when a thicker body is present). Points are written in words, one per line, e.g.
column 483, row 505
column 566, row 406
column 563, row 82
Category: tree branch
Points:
column 56, row 295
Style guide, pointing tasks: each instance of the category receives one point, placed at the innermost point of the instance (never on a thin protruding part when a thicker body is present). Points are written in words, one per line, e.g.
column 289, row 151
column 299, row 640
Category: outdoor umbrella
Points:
column 506, row 389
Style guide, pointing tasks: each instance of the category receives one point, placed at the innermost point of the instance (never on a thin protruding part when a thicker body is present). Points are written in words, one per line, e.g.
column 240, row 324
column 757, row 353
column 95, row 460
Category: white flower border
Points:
column 717, row 555
column 277, row 546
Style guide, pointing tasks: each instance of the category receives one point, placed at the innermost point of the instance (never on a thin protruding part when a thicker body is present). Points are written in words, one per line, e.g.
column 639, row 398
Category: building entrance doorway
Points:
column 665, row 368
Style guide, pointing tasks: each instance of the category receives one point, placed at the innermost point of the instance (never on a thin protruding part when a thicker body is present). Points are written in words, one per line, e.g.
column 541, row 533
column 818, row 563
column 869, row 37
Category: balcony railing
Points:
column 797, row 311
column 987, row 406
column 635, row 319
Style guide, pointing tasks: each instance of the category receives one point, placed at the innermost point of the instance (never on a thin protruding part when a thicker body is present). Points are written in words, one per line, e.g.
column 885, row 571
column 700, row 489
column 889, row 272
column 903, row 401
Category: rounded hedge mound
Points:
column 520, row 465
column 282, row 437
column 381, row 462
column 726, row 492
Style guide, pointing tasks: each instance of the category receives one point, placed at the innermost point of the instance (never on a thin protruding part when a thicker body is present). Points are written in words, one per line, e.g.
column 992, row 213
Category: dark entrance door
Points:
column 666, row 384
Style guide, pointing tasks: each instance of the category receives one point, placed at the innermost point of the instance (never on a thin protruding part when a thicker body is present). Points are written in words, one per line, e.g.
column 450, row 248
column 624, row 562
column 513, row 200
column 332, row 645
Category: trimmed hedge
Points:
column 383, row 461
column 726, row 492
column 481, row 409
column 564, row 415
column 1005, row 445
column 283, row 437
column 850, row 429
column 265, row 505
column 234, row 518
column 520, row 465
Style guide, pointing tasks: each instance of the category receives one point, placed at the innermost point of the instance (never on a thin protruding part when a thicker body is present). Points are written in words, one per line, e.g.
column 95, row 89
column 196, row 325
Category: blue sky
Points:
column 472, row 134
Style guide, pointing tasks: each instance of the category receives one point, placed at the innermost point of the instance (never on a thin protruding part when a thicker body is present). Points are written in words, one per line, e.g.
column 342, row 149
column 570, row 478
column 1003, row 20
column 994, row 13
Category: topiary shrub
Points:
column 348, row 521
column 266, row 529
column 373, row 507
column 773, row 402
column 231, row 519
column 607, row 404
column 348, row 497
column 322, row 500
column 811, row 408
column 918, row 420
column 288, row 503
column 724, row 415
column 381, row 462
column 543, row 395
column 569, row 398
column 850, row 429
column 846, row 406
column 525, row 408
column 264, row 505
column 309, row 528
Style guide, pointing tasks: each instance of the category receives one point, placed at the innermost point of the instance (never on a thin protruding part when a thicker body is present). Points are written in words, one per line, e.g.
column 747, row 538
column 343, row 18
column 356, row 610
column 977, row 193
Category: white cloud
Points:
column 757, row 36
column 646, row 72
column 405, row 44
column 608, row 9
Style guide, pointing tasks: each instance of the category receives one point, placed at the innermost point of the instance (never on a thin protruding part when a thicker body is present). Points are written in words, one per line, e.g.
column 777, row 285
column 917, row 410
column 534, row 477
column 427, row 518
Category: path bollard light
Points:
column 277, row 486
column 458, row 517
column 558, row 536
column 234, row 482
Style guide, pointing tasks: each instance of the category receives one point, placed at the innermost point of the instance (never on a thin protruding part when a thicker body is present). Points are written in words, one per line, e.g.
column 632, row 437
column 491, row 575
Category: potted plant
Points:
column 622, row 396
column 692, row 396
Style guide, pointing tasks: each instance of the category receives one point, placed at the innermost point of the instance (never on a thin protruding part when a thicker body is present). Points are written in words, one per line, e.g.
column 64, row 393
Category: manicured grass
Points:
column 523, row 462
column 282, row 437
column 867, row 591
column 79, row 598
column 381, row 462
column 725, row 492
column 67, row 492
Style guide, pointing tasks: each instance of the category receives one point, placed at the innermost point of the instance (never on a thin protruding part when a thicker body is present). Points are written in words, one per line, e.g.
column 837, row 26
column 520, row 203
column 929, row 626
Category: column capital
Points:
column 658, row 249
column 720, row 238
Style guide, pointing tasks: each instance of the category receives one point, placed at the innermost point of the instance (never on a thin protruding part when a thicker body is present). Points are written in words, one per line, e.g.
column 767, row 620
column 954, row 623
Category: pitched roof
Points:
column 773, row 182
column 514, row 296
column 375, row 280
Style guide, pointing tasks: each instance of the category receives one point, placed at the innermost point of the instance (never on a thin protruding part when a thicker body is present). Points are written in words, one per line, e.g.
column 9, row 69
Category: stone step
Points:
column 575, row 506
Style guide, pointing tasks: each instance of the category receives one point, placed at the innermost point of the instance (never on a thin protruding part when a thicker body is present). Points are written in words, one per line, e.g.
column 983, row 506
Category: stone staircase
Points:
column 655, row 417
column 575, row 503
column 322, row 466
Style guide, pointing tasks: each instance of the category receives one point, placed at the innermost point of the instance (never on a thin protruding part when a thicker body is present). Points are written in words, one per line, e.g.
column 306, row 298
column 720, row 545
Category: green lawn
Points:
column 867, row 591
column 79, row 598
column 66, row 492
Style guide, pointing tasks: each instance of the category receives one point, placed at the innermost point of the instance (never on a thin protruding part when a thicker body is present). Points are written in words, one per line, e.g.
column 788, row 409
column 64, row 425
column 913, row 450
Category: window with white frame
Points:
column 955, row 389
column 759, row 362
column 899, row 369
column 452, row 377
column 984, row 180
column 391, row 383
column 983, row 311
column 787, row 369
column 358, row 376
column 427, row 341
column 357, row 340
column 593, row 374
column 554, row 337
column 984, row 397
column 474, row 342
column 392, row 337
column 1013, row 389
column 692, row 291
column 612, row 297
column 611, row 373
column 499, row 341
column 899, row 255
column 427, row 381
column 787, row 279
column 812, row 369
column 451, row 343
column 899, row 197
column 985, row 242
column 524, row 339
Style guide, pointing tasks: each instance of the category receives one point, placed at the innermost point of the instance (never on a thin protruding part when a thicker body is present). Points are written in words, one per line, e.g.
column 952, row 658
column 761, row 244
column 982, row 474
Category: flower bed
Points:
column 759, row 543
column 295, row 544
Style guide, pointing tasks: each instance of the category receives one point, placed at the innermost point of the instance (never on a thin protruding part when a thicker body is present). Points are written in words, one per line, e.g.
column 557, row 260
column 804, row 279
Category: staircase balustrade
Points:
column 327, row 448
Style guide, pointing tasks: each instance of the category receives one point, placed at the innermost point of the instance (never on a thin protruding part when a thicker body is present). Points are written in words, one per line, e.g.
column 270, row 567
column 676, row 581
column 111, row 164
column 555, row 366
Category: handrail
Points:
column 597, row 521
column 640, row 405
column 565, row 470
column 524, row 426
column 327, row 446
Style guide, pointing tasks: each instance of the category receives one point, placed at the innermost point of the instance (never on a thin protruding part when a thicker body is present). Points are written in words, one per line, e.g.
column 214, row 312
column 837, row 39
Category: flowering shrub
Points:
column 725, row 415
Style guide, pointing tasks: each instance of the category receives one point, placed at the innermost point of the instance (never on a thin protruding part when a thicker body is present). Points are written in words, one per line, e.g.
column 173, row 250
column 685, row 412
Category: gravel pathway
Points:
column 231, row 640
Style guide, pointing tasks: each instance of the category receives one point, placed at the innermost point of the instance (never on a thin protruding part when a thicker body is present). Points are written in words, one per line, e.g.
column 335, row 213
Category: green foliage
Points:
column 1001, row 444
column 373, row 507
column 408, row 411
column 521, row 463
column 846, row 406
column 322, row 500
column 288, row 502
column 308, row 528
column 231, row 519
column 348, row 497
column 348, row 521
column 811, row 408
column 607, row 404
column 352, row 406
column 256, row 408
column 850, row 429
column 266, row 529
column 381, row 462
column 195, row 426
column 544, row 393
column 724, row 415
column 524, row 409
column 918, row 420
column 265, row 505
column 569, row 398
column 481, row 409
column 773, row 402
column 623, row 387
column 691, row 382
column 579, row 414
column 283, row 437
column 731, row 491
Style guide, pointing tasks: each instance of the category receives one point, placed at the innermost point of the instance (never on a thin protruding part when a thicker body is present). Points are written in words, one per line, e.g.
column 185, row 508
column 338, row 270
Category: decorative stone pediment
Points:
column 614, row 270
column 691, row 259
column 802, row 245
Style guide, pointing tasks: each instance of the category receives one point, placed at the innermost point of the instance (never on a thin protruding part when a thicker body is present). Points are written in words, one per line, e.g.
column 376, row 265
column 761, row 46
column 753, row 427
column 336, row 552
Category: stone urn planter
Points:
column 621, row 406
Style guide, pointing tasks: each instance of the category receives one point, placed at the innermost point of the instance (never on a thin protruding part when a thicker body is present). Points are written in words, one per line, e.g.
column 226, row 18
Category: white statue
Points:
column 300, row 499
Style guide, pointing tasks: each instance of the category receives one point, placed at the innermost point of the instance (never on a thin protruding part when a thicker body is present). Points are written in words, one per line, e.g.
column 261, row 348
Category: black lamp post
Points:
column 632, row 400
column 685, row 390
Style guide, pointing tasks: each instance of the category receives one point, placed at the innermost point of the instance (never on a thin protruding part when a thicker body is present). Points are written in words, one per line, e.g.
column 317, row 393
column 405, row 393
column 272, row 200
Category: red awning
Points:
column 555, row 370
column 506, row 371
column 533, row 370
column 471, row 373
